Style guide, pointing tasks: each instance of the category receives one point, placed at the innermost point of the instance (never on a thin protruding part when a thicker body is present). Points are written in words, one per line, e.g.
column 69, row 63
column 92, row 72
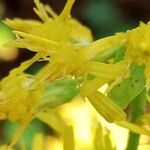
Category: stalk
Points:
column 137, row 110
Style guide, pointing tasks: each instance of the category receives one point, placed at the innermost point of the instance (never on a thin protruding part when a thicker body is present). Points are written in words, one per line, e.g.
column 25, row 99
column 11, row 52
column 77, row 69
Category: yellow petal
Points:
column 4, row 147
column 105, row 43
column 34, row 43
column 25, row 121
column 108, row 143
column 133, row 127
column 106, row 107
column 17, row 71
column 53, row 119
column 104, row 71
column 145, row 119
column 22, row 25
column 40, row 11
column 68, row 143
column 50, row 11
column 3, row 116
column 99, row 137
column 36, row 38
column 102, row 138
column 38, row 142
column 66, row 11
column 90, row 86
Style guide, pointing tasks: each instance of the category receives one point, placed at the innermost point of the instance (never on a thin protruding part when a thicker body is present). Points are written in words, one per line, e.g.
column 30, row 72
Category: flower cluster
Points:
column 70, row 52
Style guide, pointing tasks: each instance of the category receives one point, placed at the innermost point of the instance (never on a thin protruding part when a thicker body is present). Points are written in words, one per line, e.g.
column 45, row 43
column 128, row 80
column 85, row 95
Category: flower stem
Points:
column 137, row 110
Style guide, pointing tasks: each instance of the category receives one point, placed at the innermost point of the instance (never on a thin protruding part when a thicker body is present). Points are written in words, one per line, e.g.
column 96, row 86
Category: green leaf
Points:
column 123, row 93
column 138, row 106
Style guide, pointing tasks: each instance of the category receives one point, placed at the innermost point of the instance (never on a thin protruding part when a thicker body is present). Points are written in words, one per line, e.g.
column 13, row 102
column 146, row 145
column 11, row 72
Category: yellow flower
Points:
column 137, row 46
column 138, row 49
column 70, row 49
column 100, row 139
column 67, row 46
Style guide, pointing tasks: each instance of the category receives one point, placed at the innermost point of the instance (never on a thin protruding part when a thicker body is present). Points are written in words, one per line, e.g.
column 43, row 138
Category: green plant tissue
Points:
column 123, row 93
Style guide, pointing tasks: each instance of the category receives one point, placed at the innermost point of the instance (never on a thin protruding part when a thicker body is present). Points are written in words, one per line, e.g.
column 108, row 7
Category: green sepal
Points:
column 58, row 92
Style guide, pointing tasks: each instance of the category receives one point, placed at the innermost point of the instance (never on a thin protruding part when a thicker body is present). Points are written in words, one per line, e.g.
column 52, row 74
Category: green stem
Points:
column 137, row 110
column 133, row 141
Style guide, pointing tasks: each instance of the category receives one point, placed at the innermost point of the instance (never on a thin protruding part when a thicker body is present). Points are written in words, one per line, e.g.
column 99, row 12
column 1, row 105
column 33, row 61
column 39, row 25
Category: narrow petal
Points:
column 106, row 107
column 4, row 147
column 107, row 140
column 90, row 86
column 3, row 116
column 105, row 43
column 22, row 25
column 51, row 11
column 133, row 127
column 38, row 142
column 37, row 38
column 99, row 137
column 40, row 10
column 53, row 119
column 20, row 69
column 104, row 71
column 34, row 43
column 68, row 143
column 65, row 15
column 20, row 130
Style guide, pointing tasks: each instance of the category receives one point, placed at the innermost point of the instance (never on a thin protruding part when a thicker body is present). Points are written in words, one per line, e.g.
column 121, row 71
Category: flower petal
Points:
column 68, row 143
column 104, row 71
column 106, row 107
column 65, row 14
column 133, row 127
